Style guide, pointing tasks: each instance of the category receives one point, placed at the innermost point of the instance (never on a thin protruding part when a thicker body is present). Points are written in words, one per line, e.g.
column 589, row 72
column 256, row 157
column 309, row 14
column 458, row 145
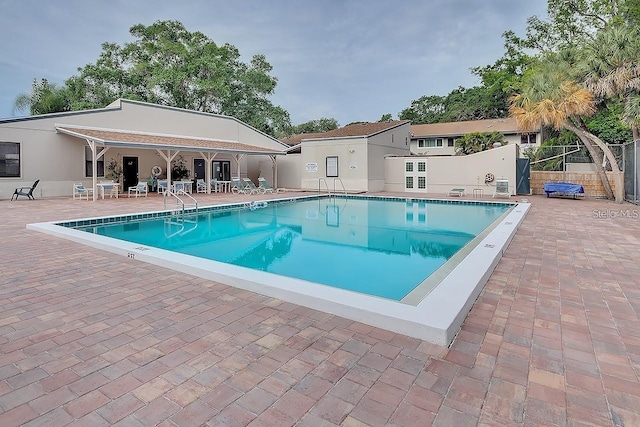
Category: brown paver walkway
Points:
column 89, row 338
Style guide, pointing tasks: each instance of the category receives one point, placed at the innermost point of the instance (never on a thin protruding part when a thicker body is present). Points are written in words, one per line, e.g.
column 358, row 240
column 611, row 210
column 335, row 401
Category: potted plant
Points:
column 114, row 170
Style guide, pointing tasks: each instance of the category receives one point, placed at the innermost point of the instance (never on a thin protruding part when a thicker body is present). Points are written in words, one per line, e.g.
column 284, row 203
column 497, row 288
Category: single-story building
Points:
column 438, row 139
column 61, row 149
column 350, row 158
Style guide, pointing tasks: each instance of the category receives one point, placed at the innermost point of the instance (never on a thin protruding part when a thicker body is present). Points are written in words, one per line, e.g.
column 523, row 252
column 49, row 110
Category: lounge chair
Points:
column 264, row 184
column 252, row 187
column 457, row 192
column 502, row 188
column 214, row 186
column 80, row 191
column 25, row 191
column 563, row 189
column 140, row 189
column 238, row 187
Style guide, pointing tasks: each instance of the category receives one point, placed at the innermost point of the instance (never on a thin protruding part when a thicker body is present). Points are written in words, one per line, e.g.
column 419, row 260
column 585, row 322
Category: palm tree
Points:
column 44, row 98
column 611, row 66
column 552, row 98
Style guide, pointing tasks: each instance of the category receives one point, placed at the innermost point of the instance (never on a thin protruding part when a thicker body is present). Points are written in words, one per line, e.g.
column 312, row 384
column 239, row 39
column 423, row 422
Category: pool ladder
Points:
column 180, row 205
column 326, row 185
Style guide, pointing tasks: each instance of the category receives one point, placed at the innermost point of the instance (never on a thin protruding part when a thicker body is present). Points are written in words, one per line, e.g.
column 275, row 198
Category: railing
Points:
column 326, row 185
column 179, row 202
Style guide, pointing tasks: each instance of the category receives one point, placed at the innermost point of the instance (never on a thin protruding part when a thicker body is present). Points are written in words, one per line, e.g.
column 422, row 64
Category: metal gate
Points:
column 631, row 159
column 523, row 176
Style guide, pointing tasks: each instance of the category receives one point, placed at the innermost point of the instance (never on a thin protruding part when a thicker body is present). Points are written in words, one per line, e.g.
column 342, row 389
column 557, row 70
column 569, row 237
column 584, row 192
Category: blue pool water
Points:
column 381, row 247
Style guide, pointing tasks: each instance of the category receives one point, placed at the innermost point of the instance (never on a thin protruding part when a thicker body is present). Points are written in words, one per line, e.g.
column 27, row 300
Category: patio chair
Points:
column 238, row 187
column 214, row 185
column 502, row 188
column 162, row 186
column 80, row 191
column 267, row 187
column 25, row 191
column 140, row 189
column 252, row 187
column 201, row 186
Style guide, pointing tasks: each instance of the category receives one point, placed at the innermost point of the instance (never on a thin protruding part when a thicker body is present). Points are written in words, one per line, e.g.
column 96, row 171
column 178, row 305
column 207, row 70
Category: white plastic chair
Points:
column 80, row 191
column 139, row 190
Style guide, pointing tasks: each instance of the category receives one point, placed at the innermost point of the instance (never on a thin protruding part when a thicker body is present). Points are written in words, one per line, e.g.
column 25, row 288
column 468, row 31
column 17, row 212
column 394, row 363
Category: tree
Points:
column 426, row 109
column 611, row 67
column 169, row 65
column 386, row 118
column 552, row 98
column 316, row 126
column 476, row 142
column 44, row 98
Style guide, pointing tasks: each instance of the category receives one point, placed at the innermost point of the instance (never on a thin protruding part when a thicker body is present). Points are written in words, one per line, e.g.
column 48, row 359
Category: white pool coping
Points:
column 437, row 318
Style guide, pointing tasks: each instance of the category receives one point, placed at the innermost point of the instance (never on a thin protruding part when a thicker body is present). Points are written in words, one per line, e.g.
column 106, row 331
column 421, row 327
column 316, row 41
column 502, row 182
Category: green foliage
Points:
column 607, row 126
column 315, row 126
column 114, row 170
column 478, row 141
column 169, row 65
column 44, row 98
column 386, row 118
column 179, row 169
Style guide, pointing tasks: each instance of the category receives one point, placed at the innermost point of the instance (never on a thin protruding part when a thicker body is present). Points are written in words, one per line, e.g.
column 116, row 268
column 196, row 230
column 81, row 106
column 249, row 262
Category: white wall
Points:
column 468, row 172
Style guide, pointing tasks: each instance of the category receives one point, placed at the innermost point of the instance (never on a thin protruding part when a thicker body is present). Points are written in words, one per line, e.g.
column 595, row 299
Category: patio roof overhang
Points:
column 168, row 146
column 148, row 140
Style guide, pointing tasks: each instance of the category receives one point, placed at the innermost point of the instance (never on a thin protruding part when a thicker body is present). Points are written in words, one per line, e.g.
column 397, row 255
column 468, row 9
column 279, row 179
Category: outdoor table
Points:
column 111, row 187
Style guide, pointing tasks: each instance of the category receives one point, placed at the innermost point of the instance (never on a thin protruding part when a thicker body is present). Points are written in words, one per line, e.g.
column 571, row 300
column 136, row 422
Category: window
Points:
column 422, row 182
column 408, row 167
column 9, row 160
column 528, row 138
column 422, row 166
column 435, row 142
column 421, row 143
column 89, row 162
column 451, row 142
column 332, row 166
column 409, row 182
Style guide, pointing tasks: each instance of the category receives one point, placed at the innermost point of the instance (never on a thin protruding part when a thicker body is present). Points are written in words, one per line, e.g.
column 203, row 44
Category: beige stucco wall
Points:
column 589, row 180
column 394, row 142
column 468, row 172
column 360, row 160
column 352, row 163
column 58, row 160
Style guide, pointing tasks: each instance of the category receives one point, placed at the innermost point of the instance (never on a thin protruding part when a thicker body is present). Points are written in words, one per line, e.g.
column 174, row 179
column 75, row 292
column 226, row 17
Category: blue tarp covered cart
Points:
column 563, row 189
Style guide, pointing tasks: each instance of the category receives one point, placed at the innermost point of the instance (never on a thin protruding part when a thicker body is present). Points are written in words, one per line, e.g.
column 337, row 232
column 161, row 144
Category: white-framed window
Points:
column 88, row 161
column 422, row 166
column 528, row 138
column 422, row 182
column 408, row 167
column 9, row 159
column 409, row 182
column 451, row 142
column 421, row 143
column 435, row 142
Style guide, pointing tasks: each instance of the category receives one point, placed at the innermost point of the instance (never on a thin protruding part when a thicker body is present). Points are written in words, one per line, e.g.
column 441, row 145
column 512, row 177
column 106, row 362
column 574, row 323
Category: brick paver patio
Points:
column 89, row 338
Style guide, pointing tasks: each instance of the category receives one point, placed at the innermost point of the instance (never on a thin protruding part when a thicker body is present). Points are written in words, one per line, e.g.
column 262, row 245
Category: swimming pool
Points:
column 345, row 233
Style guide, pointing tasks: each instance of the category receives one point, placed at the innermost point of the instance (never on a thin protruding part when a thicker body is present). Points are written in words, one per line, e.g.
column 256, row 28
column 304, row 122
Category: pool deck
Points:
column 91, row 338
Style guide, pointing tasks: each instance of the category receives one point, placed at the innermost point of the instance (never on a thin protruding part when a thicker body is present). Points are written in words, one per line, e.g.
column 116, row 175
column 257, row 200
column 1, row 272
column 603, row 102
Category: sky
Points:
column 351, row 60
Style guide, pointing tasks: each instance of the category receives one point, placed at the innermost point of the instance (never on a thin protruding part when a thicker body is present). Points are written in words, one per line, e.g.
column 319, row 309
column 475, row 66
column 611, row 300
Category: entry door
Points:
column 523, row 180
column 129, row 172
column 198, row 169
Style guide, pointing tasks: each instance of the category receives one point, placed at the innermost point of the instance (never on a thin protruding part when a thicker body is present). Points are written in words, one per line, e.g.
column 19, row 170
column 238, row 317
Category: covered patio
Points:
column 100, row 141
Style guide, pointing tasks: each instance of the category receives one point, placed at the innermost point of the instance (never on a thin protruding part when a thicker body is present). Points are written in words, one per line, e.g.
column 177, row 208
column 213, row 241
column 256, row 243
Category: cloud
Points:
column 350, row 60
